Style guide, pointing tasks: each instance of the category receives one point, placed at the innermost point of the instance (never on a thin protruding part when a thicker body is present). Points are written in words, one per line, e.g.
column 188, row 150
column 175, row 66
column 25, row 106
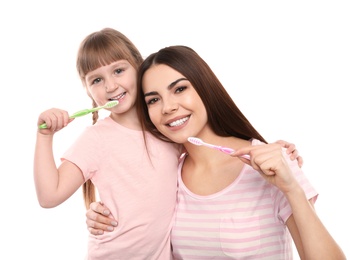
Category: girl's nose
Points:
column 110, row 87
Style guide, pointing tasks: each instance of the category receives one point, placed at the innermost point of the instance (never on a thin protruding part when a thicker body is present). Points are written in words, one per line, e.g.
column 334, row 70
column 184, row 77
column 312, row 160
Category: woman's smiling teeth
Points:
column 179, row 122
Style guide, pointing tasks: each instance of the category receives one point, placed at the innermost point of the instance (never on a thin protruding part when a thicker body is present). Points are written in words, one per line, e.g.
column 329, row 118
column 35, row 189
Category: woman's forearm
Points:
column 316, row 240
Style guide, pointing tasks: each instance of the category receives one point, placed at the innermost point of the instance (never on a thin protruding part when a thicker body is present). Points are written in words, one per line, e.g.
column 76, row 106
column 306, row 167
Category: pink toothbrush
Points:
column 197, row 141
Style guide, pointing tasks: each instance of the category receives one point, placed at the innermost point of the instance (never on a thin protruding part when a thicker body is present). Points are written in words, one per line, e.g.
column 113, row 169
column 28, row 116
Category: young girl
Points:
column 229, row 207
column 138, row 185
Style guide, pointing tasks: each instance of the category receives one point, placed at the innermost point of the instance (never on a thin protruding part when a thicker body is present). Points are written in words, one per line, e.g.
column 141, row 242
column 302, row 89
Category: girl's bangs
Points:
column 97, row 57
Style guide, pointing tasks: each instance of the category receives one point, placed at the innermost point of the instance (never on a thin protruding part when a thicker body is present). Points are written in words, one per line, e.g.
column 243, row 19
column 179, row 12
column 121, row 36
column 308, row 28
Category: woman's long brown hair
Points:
column 224, row 117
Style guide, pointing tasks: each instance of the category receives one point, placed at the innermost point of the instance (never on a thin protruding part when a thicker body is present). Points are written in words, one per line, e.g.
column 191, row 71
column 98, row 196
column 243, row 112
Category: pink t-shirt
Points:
column 140, row 193
column 246, row 220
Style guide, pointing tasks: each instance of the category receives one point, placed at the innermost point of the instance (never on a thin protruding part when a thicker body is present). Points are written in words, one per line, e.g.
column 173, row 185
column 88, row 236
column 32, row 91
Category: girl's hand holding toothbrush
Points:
column 58, row 118
column 55, row 119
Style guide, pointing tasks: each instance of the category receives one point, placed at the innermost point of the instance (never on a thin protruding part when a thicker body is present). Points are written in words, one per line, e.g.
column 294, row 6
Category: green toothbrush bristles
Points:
column 111, row 104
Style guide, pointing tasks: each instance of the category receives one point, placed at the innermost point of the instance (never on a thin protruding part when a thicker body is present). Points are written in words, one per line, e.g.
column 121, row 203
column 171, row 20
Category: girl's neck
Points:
column 127, row 119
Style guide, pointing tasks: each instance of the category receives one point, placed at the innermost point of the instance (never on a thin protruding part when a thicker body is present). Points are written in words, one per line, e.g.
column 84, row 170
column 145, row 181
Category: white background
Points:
column 285, row 64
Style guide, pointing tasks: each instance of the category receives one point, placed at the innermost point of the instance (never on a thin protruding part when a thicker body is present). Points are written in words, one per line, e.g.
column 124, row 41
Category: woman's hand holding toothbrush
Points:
column 271, row 161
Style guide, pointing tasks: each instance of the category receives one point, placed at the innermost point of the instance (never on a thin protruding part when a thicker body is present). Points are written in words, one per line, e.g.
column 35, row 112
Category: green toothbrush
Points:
column 87, row 111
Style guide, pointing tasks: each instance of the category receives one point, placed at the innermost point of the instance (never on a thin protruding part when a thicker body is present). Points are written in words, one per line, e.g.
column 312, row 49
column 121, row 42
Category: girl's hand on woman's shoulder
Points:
column 291, row 151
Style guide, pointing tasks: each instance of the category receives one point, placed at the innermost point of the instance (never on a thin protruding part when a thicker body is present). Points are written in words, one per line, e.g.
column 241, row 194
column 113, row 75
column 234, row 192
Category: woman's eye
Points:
column 151, row 101
column 180, row 89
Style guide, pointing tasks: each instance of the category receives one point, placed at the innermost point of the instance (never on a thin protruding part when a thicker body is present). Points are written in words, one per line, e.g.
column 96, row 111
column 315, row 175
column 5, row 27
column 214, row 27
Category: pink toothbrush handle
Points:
column 225, row 149
column 229, row 151
column 245, row 156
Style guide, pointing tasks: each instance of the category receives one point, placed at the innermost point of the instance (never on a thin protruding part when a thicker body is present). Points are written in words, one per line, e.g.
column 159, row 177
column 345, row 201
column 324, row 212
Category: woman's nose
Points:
column 170, row 107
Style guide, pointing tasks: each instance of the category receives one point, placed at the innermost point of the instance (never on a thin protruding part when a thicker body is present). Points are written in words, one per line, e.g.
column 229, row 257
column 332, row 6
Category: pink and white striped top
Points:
column 246, row 220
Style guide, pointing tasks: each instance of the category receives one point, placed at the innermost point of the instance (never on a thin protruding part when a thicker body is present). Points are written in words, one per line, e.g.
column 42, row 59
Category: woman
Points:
column 228, row 207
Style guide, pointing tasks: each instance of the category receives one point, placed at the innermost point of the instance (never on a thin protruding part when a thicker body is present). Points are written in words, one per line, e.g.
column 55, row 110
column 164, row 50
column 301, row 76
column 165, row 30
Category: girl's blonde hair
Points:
column 99, row 49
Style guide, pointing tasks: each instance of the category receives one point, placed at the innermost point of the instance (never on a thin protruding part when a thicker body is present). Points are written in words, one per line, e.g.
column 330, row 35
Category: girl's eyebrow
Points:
column 92, row 76
column 170, row 86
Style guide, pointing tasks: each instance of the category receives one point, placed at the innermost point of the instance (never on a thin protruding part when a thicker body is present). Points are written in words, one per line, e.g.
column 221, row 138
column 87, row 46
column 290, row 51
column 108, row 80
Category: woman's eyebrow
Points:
column 170, row 86
column 152, row 93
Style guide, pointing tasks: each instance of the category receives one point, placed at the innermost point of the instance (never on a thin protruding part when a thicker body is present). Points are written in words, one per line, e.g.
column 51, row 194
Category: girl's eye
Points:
column 151, row 101
column 118, row 71
column 96, row 81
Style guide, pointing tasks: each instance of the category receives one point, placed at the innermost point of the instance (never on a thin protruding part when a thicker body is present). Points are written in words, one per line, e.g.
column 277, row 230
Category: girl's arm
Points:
column 292, row 151
column 53, row 185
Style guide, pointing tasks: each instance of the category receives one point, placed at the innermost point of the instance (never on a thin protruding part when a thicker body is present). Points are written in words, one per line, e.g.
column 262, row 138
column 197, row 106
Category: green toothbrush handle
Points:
column 43, row 126
column 81, row 113
column 76, row 114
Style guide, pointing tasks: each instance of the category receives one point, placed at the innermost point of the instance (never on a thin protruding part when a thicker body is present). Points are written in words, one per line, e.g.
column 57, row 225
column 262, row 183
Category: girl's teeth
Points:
column 119, row 96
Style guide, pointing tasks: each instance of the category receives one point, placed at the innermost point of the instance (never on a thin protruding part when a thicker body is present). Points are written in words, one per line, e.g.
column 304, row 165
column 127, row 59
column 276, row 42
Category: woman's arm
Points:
column 310, row 236
column 99, row 219
column 312, row 239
